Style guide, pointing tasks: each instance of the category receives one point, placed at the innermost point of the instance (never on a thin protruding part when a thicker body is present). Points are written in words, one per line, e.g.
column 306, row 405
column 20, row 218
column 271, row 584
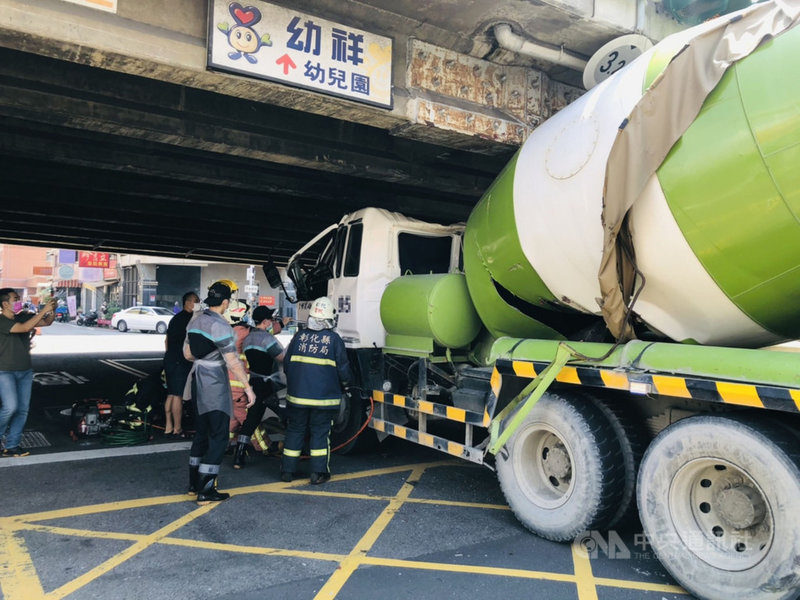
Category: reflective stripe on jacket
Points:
column 316, row 368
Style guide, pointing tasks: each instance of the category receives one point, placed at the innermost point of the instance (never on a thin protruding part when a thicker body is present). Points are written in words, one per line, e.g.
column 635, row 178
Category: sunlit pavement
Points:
column 83, row 521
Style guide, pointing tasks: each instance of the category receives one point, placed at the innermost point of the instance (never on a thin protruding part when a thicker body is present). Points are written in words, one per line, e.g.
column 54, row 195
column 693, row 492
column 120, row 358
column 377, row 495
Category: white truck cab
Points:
column 352, row 262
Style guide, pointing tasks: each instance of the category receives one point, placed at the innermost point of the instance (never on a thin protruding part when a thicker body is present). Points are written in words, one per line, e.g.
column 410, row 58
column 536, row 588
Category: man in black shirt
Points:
column 176, row 367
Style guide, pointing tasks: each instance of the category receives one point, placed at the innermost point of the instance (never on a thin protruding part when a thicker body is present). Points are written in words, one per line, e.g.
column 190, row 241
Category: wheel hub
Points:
column 721, row 514
column 556, row 463
column 740, row 506
column 544, row 466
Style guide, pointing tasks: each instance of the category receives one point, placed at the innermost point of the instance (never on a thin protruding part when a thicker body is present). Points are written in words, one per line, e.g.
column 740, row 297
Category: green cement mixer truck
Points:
column 596, row 331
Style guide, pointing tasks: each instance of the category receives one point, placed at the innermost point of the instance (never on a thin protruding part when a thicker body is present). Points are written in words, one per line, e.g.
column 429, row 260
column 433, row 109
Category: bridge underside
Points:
column 111, row 161
column 115, row 136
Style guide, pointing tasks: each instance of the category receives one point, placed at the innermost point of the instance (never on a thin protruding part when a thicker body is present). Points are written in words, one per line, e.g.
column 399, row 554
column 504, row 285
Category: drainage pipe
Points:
column 515, row 43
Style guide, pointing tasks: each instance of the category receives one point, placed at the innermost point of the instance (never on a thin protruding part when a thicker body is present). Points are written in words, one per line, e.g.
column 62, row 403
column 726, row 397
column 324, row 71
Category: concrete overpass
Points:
column 116, row 136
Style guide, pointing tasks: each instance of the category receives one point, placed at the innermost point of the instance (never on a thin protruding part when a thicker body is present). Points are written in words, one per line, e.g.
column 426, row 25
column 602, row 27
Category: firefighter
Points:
column 210, row 345
column 263, row 353
column 317, row 370
column 240, row 322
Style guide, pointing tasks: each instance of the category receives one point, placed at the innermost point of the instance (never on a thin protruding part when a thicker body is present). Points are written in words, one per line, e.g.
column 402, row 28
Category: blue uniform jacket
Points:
column 316, row 367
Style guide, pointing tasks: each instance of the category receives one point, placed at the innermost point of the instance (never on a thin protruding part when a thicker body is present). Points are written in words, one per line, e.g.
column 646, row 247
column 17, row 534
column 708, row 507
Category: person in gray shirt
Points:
column 210, row 345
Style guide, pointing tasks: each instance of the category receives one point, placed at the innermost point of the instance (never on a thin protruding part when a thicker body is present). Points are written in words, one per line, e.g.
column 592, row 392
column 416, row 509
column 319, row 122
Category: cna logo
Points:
column 598, row 544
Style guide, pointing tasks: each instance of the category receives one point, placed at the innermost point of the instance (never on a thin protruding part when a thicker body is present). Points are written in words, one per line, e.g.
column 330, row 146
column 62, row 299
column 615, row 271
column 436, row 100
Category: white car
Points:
column 143, row 318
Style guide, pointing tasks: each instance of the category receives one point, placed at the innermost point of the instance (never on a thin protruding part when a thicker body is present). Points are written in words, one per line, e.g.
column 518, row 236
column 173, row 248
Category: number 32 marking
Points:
column 607, row 68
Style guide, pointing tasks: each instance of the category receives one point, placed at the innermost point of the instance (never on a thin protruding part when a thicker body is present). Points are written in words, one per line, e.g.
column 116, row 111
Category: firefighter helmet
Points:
column 237, row 309
column 322, row 308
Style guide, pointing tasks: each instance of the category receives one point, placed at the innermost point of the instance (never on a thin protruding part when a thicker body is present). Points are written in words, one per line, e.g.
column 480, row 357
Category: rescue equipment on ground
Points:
column 89, row 417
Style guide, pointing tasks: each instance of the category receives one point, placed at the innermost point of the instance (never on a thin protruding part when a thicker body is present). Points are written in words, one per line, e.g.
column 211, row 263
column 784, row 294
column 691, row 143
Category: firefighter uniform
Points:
column 262, row 352
column 316, row 368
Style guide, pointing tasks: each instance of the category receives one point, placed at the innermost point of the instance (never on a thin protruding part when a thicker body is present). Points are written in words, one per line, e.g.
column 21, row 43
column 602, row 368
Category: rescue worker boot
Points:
column 194, row 474
column 240, row 453
column 319, row 477
column 208, row 490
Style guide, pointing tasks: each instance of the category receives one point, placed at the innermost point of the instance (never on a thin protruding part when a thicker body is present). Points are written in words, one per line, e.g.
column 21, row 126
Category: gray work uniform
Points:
column 209, row 337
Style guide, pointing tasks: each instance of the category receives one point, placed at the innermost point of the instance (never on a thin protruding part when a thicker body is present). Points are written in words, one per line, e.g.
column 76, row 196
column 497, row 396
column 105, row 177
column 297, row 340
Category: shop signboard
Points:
column 271, row 42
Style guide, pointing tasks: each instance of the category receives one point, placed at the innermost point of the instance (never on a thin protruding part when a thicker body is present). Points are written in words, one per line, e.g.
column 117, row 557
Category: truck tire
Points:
column 633, row 441
column 562, row 470
column 719, row 498
column 350, row 418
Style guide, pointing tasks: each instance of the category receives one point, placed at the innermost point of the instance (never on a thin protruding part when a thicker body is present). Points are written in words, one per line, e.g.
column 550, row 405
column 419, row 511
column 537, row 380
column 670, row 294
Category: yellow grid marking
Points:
column 479, row 570
column 739, row 393
column 639, row 585
column 584, row 578
column 21, row 581
column 614, row 379
column 136, row 548
column 671, row 386
column 348, row 566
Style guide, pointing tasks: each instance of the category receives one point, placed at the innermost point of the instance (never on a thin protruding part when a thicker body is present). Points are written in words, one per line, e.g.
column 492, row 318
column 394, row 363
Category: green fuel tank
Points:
column 419, row 311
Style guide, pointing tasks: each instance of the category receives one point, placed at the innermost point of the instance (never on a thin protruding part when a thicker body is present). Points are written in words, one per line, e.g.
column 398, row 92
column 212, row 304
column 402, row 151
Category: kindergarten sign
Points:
column 280, row 44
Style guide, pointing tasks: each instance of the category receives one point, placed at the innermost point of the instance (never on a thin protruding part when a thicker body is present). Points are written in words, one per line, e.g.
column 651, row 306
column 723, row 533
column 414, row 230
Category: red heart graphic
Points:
column 245, row 17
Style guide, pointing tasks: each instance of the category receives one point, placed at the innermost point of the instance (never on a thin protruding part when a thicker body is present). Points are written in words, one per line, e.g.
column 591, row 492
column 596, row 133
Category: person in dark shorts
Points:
column 176, row 367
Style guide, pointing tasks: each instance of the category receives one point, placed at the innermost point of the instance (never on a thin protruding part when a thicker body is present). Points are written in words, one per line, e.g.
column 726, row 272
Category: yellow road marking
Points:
column 20, row 580
column 130, row 552
column 253, row 549
column 640, row 585
column 348, row 566
column 583, row 573
column 796, row 397
column 477, row 569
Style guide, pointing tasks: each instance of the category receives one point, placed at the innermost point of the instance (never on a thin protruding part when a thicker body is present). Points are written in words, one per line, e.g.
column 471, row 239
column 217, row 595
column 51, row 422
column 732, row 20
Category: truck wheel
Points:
column 718, row 499
column 347, row 422
column 632, row 441
column 562, row 470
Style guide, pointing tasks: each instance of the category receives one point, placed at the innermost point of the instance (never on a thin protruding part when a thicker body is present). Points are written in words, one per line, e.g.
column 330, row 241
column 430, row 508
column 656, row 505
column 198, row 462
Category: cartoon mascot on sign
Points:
column 244, row 40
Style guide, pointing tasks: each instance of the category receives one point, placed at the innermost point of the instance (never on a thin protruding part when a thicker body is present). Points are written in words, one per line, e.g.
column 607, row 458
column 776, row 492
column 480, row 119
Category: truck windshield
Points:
column 420, row 254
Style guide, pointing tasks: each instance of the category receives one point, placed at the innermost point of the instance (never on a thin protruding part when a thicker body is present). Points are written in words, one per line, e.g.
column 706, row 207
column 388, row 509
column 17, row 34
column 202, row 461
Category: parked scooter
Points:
column 87, row 319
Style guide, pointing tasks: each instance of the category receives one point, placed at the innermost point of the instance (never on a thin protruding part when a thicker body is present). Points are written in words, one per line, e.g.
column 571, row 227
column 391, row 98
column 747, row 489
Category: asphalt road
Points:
column 82, row 520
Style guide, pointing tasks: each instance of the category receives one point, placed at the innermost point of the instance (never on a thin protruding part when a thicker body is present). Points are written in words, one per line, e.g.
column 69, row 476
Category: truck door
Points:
column 347, row 290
